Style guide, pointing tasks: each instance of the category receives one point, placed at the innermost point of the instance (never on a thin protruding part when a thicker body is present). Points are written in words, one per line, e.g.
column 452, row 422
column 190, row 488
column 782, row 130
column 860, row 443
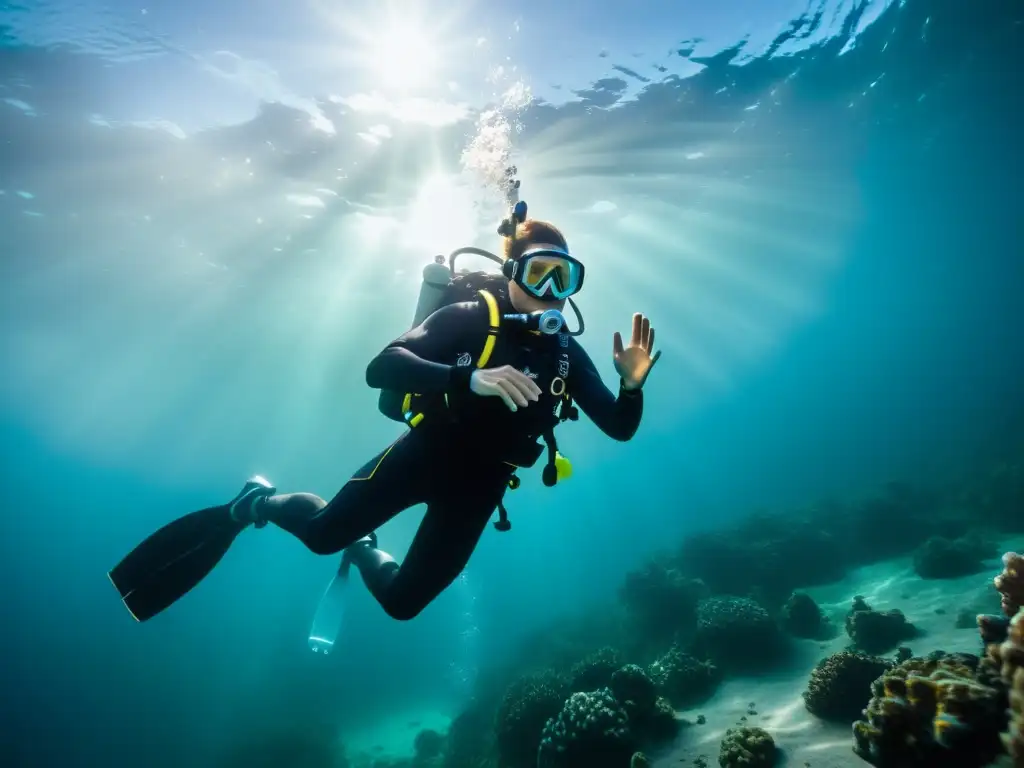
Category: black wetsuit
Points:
column 458, row 461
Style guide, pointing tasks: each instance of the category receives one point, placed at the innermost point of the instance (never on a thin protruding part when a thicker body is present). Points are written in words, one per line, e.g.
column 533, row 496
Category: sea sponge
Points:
column 1010, row 583
column 840, row 685
column 591, row 731
column 683, row 679
column 522, row 714
column 801, row 617
column 747, row 748
column 876, row 631
column 595, row 671
column 933, row 712
column 736, row 633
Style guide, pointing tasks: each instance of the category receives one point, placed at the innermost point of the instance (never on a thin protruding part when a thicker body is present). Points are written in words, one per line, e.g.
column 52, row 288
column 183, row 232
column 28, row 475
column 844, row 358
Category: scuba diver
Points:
column 488, row 370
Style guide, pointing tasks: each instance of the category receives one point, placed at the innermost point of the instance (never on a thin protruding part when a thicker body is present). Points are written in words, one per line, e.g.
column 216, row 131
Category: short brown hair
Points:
column 532, row 232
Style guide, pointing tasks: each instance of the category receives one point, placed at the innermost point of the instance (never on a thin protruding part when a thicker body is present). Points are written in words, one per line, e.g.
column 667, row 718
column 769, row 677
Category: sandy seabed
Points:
column 803, row 740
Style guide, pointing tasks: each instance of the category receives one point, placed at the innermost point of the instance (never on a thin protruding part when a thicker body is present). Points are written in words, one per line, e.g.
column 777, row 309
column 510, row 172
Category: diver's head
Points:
column 541, row 273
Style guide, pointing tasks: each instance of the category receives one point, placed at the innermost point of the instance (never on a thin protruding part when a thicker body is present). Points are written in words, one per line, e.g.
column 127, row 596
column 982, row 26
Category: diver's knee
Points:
column 320, row 545
column 403, row 610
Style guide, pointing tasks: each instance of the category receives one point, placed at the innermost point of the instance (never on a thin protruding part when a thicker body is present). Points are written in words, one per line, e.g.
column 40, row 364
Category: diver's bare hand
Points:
column 514, row 387
column 634, row 361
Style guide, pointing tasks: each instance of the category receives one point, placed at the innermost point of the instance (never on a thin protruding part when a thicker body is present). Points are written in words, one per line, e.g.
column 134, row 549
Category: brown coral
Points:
column 1010, row 583
column 747, row 748
column 1010, row 657
column 944, row 711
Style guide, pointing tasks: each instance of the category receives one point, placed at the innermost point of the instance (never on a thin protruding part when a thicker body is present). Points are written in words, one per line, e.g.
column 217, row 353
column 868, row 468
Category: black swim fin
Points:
column 170, row 562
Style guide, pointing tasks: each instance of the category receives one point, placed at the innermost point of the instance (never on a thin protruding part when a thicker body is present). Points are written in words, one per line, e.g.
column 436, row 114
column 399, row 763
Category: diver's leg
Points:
column 393, row 480
column 173, row 560
column 446, row 538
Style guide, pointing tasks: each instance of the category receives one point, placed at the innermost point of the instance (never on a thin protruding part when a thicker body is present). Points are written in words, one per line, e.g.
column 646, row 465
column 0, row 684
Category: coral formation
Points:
column 747, row 748
column 942, row 711
column 736, row 633
column 683, row 679
column 590, row 731
column 657, row 725
column 1010, row 583
column 524, row 710
column 595, row 671
column 876, row 631
column 1009, row 655
column 942, row 558
column 801, row 617
column 840, row 685
column 651, row 718
column 633, row 689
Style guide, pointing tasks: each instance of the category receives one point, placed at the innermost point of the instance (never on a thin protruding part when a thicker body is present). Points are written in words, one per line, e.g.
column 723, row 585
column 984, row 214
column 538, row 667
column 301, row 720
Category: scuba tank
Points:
column 436, row 277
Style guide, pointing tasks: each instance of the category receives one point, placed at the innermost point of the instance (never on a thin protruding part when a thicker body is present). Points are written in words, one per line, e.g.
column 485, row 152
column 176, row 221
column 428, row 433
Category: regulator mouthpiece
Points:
column 548, row 322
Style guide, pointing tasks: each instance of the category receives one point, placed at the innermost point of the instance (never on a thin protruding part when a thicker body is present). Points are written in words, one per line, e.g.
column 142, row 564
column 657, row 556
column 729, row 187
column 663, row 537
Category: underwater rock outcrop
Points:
column 774, row 552
column 683, row 679
column 876, row 631
column 428, row 745
column 942, row 711
column 661, row 602
column 942, row 558
column 839, row 687
column 595, row 671
column 524, row 711
column 747, row 748
column 801, row 617
column 736, row 633
column 591, row 731
column 470, row 738
column 892, row 523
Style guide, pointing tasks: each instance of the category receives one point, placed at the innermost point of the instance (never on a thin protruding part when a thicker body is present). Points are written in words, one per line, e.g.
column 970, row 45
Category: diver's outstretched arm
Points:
column 618, row 417
column 411, row 363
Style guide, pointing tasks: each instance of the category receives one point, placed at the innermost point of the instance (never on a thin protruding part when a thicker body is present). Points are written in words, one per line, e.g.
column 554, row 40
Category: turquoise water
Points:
column 212, row 218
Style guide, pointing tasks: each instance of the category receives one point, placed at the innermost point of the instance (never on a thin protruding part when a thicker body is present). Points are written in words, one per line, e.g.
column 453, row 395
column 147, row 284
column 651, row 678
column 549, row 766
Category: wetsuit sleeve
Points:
column 618, row 417
column 419, row 360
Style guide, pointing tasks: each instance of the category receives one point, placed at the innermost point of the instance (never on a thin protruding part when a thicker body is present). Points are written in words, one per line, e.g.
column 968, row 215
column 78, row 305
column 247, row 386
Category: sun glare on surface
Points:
column 403, row 57
column 397, row 47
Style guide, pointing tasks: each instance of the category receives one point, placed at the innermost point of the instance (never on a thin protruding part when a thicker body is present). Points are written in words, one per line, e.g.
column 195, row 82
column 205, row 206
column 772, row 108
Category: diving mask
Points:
column 547, row 273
